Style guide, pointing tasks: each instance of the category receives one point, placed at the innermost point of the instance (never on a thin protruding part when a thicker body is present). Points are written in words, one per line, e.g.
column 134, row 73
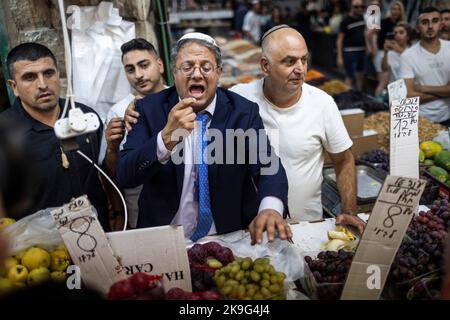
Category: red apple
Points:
column 121, row 290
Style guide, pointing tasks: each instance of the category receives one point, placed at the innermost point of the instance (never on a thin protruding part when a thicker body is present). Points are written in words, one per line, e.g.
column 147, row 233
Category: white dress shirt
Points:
column 188, row 209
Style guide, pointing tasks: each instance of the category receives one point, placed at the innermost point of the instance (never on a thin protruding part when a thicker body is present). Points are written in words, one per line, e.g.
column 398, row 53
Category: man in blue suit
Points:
column 201, row 192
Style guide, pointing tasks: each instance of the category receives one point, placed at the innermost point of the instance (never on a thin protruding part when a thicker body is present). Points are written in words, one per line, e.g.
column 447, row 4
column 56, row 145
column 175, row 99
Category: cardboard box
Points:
column 159, row 250
column 368, row 141
column 105, row 258
column 353, row 121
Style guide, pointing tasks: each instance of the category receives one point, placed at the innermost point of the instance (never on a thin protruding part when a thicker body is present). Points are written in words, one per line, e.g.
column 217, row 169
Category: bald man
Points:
column 307, row 122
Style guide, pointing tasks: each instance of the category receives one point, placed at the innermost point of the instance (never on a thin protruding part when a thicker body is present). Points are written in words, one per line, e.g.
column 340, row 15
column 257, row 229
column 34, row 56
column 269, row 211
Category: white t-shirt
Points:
column 431, row 70
column 394, row 65
column 304, row 131
column 252, row 23
column 131, row 194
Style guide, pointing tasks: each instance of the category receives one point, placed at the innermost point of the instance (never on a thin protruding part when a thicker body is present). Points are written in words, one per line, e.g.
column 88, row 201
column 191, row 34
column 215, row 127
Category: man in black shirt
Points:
column 351, row 45
column 64, row 174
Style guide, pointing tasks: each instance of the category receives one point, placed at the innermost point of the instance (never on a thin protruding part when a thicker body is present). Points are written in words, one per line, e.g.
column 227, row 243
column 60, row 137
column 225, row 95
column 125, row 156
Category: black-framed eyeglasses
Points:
column 206, row 68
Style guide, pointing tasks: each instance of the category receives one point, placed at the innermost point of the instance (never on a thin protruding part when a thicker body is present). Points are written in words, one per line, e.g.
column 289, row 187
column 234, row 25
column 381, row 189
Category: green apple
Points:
column 35, row 258
column 17, row 273
column 38, row 276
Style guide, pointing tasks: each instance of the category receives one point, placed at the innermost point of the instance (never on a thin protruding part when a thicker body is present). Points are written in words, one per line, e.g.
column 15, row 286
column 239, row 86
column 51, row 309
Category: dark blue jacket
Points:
column 236, row 190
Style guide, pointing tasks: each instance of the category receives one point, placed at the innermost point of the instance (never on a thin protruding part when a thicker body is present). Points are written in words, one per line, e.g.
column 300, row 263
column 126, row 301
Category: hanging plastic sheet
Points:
column 97, row 34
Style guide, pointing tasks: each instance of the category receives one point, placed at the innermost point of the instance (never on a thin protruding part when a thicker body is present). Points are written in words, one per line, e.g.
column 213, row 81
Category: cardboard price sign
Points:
column 404, row 138
column 87, row 244
column 387, row 225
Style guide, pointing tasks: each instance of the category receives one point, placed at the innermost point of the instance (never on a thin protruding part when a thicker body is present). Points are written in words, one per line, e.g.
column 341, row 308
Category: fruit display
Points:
column 245, row 279
column 204, row 260
column 377, row 159
column 341, row 238
column 430, row 148
column 326, row 274
column 140, row 286
column 180, row 294
column 421, row 252
column 34, row 266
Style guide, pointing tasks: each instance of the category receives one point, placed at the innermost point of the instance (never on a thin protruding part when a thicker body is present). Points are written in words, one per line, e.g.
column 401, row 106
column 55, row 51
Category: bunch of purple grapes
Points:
column 379, row 159
column 330, row 270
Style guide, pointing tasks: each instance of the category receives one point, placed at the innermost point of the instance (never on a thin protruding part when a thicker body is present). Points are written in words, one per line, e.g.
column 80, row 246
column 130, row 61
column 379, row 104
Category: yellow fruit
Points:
column 430, row 148
column 58, row 276
column 19, row 255
column 60, row 260
column 421, row 156
column 17, row 273
column 36, row 257
column 63, row 248
column 6, row 286
column 10, row 262
column 5, row 222
column 38, row 276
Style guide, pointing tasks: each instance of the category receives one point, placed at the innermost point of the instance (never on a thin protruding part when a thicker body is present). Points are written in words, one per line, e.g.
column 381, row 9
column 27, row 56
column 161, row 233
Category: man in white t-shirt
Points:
column 305, row 122
column 144, row 70
column 253, row 22
column 426, row 68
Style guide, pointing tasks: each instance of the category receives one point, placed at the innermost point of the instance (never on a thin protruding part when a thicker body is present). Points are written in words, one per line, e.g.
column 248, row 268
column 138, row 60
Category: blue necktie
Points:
column 204, row 219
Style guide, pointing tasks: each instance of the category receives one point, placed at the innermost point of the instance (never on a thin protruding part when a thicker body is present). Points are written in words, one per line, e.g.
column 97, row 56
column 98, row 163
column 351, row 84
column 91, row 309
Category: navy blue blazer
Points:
column 236, row 190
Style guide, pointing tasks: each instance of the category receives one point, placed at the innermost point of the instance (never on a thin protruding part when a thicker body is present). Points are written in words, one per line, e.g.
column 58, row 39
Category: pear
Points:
column 17, row 273
column 36, row 257
column 38, row 276
column 5, row 222
column 6, row 286
column 60, row 260
column 58, row 276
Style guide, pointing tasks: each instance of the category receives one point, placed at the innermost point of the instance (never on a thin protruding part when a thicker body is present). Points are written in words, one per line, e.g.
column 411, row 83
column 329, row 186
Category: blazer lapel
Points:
column 179, row 168
column 219, row 121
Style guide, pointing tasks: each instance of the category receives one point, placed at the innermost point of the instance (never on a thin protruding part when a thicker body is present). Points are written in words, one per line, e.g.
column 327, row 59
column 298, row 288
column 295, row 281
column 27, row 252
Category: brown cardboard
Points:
column 353, row 121
column 384, row 232
column 159, row 250
column 107, row 258
column 362, row 144
column 87, row 244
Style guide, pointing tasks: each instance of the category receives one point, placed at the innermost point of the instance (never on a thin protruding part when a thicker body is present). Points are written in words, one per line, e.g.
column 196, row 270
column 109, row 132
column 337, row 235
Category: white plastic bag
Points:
column 38, row 229
column 444, row 139
column 97, row 34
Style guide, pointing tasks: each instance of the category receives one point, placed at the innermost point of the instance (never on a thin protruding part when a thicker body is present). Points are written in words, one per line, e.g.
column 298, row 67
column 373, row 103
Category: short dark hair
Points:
column 445, row 11
column 428, row 10
column 137, row 44
column 30, row 51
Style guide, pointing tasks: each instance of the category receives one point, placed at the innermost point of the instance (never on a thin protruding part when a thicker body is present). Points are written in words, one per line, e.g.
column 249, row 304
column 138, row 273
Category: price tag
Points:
column 87, row 244
column 387, row 225
column 404, row 138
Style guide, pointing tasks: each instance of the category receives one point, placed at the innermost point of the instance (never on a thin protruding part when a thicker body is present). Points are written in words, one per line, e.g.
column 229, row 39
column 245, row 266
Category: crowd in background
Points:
column 361, row 54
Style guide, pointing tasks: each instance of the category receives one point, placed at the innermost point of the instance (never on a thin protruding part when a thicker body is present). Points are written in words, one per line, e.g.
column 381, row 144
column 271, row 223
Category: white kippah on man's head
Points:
column 199, row 36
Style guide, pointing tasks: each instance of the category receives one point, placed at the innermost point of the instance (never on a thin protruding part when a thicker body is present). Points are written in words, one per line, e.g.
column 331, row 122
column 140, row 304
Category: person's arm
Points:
column 385, row 61
column 441, row 91
column 339, row 47
column 114, row 134
column 371, row 41
column 412, row 92
column 344, row 166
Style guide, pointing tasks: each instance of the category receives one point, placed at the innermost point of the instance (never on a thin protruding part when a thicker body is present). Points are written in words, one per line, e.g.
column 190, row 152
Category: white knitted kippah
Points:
column 199, row 36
